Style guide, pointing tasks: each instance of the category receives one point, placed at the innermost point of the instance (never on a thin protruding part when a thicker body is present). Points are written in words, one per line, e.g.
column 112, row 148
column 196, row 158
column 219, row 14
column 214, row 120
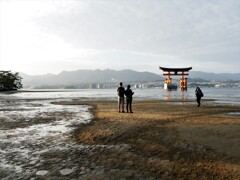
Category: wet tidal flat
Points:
column 32, row 129
column 169, row 140
column 81, row 139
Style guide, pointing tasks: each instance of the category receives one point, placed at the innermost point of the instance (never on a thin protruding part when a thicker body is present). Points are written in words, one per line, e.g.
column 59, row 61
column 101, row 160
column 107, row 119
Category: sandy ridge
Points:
column 159, row 140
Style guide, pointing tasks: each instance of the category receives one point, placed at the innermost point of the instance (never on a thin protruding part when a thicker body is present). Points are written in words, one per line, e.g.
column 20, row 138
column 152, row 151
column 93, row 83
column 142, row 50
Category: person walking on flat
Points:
column 129, row 95
column 121, row 91
column 199, row 95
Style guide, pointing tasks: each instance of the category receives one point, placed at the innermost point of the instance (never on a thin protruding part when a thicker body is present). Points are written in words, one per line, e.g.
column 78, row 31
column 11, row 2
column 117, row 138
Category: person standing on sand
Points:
column 121, row 91
column 129, row 95
column 199, row 95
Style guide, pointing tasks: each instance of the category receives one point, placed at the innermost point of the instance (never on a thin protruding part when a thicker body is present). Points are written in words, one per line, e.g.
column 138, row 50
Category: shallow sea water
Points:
column 219, row 95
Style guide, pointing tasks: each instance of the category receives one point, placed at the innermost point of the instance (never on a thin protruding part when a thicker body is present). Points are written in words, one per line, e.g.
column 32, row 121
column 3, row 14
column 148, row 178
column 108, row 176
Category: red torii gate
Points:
column 175, row 72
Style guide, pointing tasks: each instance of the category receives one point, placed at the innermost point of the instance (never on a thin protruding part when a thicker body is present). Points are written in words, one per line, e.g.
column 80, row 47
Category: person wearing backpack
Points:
column 129, row 95
column 121, row 91
column 199, row 95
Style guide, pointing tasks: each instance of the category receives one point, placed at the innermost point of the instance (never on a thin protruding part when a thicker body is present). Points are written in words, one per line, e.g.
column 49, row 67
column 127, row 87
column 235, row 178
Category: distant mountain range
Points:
column 89, row 76
column 110, row 76
column 214, row 76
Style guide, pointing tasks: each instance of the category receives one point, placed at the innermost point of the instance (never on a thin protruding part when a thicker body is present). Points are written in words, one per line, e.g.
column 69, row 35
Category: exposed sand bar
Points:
column 164, row 139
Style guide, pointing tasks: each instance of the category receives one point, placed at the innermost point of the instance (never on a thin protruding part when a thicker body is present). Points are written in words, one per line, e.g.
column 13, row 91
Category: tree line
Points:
column 10, row 81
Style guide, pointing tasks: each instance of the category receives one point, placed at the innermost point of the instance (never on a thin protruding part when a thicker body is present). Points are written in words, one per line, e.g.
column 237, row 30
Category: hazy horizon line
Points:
column 99, row 69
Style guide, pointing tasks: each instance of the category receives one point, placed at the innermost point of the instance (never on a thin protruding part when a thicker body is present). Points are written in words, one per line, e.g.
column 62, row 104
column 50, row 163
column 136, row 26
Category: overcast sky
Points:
column 49, row 36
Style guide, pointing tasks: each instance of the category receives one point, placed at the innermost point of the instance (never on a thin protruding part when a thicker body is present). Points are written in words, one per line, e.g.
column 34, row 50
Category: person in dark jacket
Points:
column 199, row 95
column 129, row 94
column 121, row 91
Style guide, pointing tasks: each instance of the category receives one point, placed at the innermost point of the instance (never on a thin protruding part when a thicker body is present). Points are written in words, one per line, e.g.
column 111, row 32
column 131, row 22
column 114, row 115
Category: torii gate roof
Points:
column 175, row 69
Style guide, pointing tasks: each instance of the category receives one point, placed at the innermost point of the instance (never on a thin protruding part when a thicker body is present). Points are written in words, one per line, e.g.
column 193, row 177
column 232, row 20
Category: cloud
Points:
column 136, row 34
column 165, row 27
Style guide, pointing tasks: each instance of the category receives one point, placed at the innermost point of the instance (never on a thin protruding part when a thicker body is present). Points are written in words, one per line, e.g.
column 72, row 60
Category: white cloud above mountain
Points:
column 133, row 34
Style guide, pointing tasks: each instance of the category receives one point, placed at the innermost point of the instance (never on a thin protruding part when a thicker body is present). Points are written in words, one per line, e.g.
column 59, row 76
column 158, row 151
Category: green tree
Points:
column 10, row 81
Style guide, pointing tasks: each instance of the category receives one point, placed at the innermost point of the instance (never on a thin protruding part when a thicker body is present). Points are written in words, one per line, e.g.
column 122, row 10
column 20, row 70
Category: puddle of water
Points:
column 234, row 113
column 41, row 173
column 66, row 171
column 180, row 103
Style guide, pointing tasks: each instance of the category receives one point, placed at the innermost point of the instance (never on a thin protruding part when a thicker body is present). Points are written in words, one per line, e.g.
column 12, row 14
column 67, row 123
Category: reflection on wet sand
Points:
column 169, row 95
